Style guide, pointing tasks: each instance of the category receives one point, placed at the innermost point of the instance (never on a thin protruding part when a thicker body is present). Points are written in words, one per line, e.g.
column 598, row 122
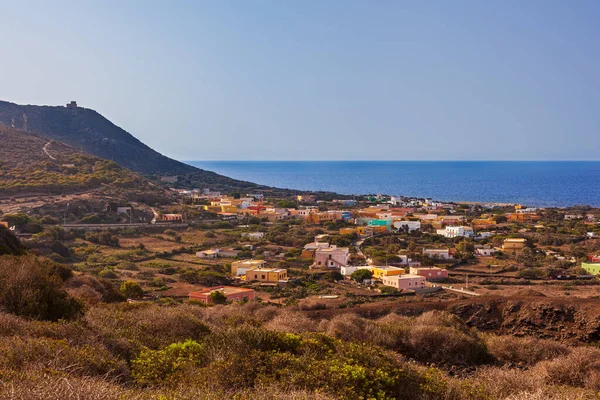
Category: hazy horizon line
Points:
column 499, row 160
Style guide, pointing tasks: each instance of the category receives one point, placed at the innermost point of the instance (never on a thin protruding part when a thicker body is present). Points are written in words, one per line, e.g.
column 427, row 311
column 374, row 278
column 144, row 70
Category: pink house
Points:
column 331, row 257
column 407, row 281
column 430, row 273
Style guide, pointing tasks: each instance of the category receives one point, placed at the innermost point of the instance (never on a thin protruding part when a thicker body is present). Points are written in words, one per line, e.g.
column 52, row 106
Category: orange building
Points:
column 523, row 217
column 320, row 217
column 514, row 246
column 483, row 223
column 172, row 217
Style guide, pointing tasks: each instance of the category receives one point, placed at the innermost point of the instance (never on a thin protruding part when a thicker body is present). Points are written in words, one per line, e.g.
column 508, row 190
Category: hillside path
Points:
column 46, row 151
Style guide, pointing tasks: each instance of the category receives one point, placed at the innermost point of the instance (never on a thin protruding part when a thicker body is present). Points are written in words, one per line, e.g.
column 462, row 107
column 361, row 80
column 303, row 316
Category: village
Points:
column 206, row 247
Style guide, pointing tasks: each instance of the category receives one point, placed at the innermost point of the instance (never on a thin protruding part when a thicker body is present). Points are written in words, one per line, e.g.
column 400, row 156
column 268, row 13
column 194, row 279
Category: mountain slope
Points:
column 87, row 130
column 31, row 164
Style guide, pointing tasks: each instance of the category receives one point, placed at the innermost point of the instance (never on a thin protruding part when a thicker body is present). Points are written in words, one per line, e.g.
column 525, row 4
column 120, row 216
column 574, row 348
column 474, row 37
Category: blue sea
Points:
column 543, row 183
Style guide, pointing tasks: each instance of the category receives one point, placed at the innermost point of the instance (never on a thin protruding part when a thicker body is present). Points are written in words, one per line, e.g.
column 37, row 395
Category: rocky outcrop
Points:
column 577, row 320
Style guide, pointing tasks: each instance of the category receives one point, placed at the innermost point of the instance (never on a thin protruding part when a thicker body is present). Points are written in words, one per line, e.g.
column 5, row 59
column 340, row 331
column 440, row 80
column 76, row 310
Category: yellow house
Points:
column 228, row 208
column 347, row 231
column 379, row 272
column 370, row 230
column 241, row 267
column 267, row 275
column 514, row 246
column 212, row 208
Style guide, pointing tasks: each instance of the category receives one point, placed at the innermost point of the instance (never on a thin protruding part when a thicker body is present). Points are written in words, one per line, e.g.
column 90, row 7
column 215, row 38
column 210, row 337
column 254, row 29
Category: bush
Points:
column 156, row 366
column 128, row 266
column 132, row 290
column 523, row 351
column 60, row 249
column 389, row 290
column 32, row 227
column 217, row 297
column 19, row 220
column 33, row 287
column 9, row 244
column 90, row 219
column 361, row 275
column 48, row 220
column 579, row 368
column 107, row 274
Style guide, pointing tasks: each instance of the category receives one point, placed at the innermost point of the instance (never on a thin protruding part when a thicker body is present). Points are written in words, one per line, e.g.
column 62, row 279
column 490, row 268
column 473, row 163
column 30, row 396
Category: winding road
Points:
column 45, row 148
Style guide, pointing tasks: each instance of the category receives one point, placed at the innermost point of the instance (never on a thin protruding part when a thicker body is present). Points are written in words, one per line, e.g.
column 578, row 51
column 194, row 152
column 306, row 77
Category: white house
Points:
column 216, row 253
column 253, row 235
column 207, row 254
column 484, row 250
column 456, row 231
column 440, row 254
column 483, row 235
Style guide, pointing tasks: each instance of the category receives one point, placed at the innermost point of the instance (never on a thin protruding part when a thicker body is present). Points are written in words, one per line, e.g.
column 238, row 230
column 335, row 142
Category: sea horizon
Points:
column 553, row 183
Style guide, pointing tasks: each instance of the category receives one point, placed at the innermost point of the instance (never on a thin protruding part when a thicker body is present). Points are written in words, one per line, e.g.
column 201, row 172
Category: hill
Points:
column 90, row 132
column 30, row 164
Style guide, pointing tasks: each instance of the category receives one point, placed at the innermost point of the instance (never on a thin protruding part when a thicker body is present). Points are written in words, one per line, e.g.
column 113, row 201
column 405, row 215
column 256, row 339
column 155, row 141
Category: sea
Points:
column 533, row 183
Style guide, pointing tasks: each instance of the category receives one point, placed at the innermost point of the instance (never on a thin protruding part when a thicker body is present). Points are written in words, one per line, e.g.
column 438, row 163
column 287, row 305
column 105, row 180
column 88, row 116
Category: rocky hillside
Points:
column 85, row 129
column 30, row 164
column 573, row 320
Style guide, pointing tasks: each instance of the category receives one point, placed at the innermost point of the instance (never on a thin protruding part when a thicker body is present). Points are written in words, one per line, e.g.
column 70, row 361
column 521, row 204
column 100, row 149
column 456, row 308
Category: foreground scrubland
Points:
column 147, row 351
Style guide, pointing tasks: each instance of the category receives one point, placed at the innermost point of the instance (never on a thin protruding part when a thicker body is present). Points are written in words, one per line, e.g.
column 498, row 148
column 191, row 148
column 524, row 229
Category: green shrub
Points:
column 361, row 275
column 90, row 219
column 107, row 274
column 132, row 290
column 156, row 366
column 217, row 297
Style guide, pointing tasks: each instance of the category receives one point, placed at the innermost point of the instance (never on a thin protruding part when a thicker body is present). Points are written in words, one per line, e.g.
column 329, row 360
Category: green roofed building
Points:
column 592, row 269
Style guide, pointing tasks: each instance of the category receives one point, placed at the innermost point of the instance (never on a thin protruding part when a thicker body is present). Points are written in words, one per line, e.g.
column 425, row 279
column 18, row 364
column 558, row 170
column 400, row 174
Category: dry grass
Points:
column 580, row 368
column 524, row 351
column 42, row 386
column 88, row 359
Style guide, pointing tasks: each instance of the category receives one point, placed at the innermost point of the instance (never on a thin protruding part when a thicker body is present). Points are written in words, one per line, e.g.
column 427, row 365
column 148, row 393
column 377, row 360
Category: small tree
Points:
column 361, row 274
column 217, row 297
column 132, row 290
column 500, row 219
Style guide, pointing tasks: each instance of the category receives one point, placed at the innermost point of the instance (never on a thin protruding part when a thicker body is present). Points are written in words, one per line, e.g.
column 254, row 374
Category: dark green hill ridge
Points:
column 86, row 130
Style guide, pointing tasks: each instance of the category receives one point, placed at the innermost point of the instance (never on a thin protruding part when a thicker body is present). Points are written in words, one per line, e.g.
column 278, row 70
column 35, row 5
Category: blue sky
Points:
column 319, row 80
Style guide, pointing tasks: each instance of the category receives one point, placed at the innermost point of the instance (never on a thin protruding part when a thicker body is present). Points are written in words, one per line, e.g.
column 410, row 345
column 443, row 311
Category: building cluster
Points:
column 399, row 215
column 330, row 257
column 416, row 278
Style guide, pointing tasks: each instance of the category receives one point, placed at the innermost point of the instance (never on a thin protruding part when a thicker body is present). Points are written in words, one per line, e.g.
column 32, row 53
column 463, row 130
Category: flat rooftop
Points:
column 405, row 276
column 249, row 263
column 225, row 289
column 269, row 270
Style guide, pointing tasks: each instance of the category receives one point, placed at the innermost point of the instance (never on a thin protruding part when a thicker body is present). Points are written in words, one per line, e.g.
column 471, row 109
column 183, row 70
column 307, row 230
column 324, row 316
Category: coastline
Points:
column 557, row 184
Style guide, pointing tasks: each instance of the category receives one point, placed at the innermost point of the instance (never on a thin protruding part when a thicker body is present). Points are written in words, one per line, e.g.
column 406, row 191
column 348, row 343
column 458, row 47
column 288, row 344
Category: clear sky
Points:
column 319, row 80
